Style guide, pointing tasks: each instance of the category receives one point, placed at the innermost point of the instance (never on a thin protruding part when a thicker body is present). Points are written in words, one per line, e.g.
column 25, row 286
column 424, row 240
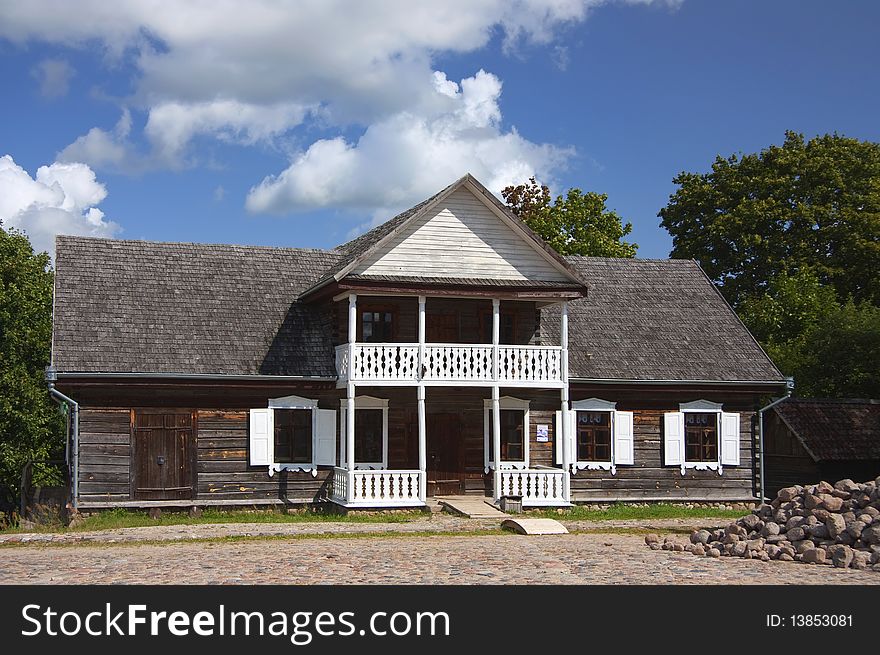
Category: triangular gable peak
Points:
column 463, row 233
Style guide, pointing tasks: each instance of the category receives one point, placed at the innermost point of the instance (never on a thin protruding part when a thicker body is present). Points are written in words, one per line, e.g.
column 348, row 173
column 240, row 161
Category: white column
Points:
column 422, row 364
column 423, row 451
column 350, row 413
column 496, row 334
column 566, row 438
column 496, row 439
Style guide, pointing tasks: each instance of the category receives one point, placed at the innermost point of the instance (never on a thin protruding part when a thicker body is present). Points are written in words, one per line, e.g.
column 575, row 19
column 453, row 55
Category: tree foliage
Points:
column 31, row 428
column 577, row 224
column 757, row 217
column 791, row 236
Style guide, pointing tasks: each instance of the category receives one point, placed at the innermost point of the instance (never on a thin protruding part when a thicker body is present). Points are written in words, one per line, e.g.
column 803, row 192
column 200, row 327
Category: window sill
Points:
column 702, row 466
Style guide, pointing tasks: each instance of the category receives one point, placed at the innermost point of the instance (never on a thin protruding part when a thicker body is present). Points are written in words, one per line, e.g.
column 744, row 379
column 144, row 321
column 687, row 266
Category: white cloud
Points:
column 54, row 77
column 60, row 199
column 407, row 157
column 102, row 149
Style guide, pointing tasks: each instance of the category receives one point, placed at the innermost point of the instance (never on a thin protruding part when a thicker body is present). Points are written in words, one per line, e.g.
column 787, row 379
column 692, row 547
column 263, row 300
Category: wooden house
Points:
column 807, row 440
column 447, row 351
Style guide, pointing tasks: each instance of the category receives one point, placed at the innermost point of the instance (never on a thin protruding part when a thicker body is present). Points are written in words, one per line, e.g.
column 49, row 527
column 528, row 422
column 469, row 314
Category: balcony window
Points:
column 377, row 325
column 506, row 327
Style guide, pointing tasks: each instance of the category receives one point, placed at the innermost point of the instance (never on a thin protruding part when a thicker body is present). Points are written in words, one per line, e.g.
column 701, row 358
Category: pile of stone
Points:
column 835, row 524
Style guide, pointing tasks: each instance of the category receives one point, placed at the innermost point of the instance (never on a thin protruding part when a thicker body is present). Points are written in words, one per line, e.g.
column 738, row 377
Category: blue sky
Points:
column 258, row 124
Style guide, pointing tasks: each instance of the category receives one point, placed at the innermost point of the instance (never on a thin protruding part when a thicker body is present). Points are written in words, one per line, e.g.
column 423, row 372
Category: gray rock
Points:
column 831, row 503
column 821, row 514
column 871, row 534
column 836, row 524
column 772, row 550
column 804, row 546
column 775, row 538
column 818, row 531
column 755, row 544
column 861, row 559
column 713, row 552
column 872, row 511
column 654, row 546
column 698, row 549
column 652, row 539
column 785, row 557
column 749, row 522
column 794, row 522
column 824, row 488
column 847, row 485
column 770, row 528
column 814, row 556
column 811, row 521
column 841, row 555
column 763, row 556
column 730, row 538
column 855, row 528
column 788, row 550
column 795, row 534
column 845, row 538
column 788, row 493
column 811, row 501
column 874, row 557
column 740, row 548
column 865, row 518
column 678, row 548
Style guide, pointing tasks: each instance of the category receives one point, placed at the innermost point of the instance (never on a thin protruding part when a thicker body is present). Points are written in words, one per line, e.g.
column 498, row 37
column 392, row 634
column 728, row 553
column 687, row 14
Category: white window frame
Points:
column 705, row 407
column 294, row 402
column 593, row 405
column 505, row 402
column 363, row 402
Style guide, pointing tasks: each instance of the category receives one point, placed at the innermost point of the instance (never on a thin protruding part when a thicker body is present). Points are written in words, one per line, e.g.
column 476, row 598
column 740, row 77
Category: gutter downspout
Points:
column 789, row 387
column 59, row 397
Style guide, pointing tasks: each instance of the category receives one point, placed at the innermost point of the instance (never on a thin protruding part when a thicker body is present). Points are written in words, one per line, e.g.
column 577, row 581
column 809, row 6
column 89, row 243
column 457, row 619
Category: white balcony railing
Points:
column 392, row 488
column 537, row 487
column 397, row 363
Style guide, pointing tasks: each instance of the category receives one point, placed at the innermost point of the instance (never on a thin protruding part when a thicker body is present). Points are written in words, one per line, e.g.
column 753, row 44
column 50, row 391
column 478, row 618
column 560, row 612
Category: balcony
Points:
column 401, row 364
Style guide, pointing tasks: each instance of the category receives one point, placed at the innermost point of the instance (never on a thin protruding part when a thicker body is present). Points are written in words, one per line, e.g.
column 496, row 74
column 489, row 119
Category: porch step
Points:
column 534, row 526
column 473, row 507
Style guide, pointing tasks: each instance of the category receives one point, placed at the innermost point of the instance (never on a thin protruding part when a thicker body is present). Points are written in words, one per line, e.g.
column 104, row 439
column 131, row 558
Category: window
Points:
column 701, row 436
column 514, row 433
column 593, row 436
column 600, row 436
column 293, row 436
column 370, row 433
column 377, row 325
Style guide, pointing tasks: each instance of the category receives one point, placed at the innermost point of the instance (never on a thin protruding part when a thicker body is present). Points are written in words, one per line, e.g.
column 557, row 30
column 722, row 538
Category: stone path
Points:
column 398, row 559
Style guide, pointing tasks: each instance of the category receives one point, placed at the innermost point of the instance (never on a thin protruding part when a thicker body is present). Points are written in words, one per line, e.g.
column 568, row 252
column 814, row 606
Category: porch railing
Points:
column 389, row 488
column 459, row 363
column 537, row 487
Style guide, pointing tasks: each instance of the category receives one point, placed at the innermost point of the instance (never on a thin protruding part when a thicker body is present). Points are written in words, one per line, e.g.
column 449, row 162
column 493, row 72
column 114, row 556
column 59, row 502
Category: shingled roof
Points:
column 145, row 307
column 834, row 429
column 650, row 319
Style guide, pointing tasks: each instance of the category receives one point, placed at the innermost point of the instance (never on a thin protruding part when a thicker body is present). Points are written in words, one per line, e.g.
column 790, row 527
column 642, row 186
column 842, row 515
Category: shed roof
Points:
column 834, row 429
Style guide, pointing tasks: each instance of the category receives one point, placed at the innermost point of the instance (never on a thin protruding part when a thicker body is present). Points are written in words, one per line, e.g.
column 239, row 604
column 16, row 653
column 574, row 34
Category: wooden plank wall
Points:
column 104, row 453
column 526, row 316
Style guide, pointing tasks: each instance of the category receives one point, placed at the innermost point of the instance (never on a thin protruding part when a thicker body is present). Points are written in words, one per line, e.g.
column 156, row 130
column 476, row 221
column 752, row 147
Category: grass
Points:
column 122, row 518
column 623, row 512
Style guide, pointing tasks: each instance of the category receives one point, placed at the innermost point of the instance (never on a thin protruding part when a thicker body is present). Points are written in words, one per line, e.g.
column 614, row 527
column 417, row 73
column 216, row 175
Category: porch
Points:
column 411, row 446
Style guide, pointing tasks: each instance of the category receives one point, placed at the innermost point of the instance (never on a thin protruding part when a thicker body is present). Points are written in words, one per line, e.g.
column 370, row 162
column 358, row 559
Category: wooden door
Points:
column 441, row 328
column 445, row 455
column 164, row 455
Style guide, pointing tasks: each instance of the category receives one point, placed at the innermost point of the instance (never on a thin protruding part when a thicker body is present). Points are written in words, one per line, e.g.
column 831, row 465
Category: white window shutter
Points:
column 261, row 437
column 325, row 438
column 572, row 435
column 730, row 439
column 557, row 439
column 623, row 438
column 673, row 438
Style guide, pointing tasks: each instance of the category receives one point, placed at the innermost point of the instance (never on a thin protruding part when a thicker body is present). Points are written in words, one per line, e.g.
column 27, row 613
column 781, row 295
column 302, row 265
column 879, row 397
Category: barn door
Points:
column 163, row 455
column 444, row 455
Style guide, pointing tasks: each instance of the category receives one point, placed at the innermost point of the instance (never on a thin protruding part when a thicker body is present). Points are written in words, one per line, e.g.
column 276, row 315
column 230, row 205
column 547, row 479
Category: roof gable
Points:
column 461, row 236
column 490, row 229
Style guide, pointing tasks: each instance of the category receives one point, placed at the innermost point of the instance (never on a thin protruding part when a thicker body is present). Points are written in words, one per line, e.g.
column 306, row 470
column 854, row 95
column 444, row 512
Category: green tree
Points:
column 31, row 427
column 757, row 217
column 791, row 236
column 577, row 224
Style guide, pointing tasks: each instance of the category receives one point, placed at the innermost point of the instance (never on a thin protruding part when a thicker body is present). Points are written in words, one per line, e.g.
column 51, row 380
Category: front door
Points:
column 445, row 461
column 163, row 455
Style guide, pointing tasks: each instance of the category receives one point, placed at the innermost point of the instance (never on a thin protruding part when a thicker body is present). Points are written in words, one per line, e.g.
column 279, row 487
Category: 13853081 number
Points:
column 821, row 620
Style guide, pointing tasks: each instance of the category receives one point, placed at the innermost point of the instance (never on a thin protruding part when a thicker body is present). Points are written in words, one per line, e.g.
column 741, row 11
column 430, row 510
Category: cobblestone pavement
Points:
column 473, row 559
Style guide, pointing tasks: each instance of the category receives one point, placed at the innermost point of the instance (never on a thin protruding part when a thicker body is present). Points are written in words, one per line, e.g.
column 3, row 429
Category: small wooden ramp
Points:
column 534, row 526
column 473, row 507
